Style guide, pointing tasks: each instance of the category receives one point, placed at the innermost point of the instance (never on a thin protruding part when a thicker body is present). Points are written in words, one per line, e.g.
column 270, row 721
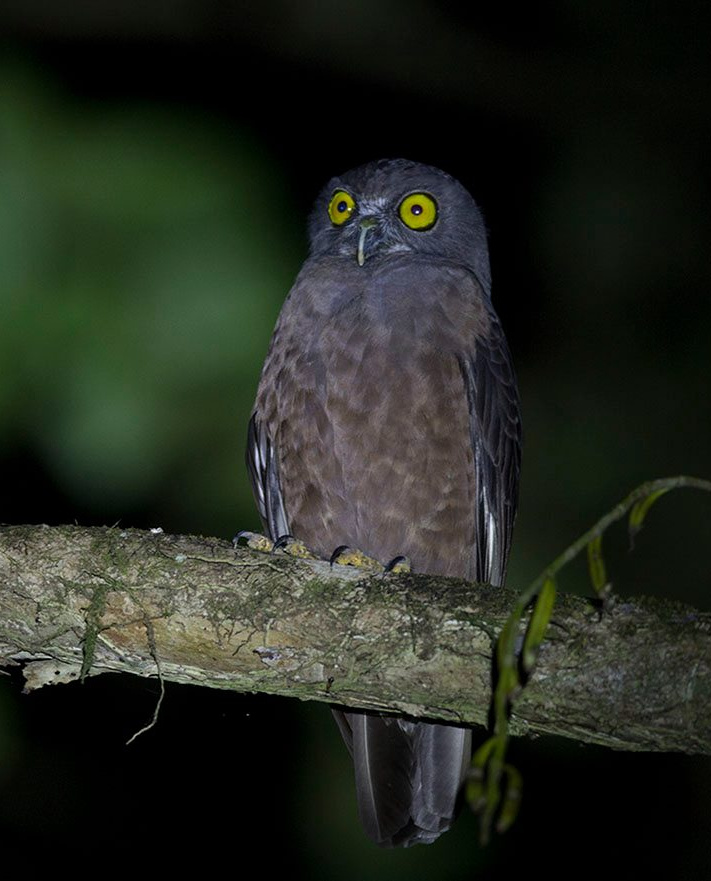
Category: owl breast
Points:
column 370, row 423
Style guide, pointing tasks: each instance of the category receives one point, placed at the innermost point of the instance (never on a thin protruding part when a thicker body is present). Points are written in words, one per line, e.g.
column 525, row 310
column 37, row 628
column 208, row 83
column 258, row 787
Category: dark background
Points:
column 157, row 163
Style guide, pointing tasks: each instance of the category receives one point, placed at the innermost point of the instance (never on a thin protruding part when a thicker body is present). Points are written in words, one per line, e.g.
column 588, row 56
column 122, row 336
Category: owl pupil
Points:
column 342, row 206
column 416, row 209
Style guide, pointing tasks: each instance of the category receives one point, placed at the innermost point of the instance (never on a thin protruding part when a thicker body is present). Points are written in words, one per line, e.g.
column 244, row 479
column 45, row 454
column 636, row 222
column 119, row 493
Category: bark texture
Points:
column 91, row 600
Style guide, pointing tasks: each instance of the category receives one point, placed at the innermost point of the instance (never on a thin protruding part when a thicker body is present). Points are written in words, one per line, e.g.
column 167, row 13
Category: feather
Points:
column 495, row 427
column 264, row 477
column 408, row 775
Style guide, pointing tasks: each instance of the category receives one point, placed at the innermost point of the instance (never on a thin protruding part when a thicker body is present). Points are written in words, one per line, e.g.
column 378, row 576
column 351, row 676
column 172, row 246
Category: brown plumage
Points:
column 387, row 419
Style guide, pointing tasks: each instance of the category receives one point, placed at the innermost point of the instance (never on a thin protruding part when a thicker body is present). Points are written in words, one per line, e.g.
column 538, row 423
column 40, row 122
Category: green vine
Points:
column 494, row 787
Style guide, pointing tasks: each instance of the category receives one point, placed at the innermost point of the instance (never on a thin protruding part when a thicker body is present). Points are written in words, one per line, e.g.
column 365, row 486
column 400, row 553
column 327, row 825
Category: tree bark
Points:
column 77, row 601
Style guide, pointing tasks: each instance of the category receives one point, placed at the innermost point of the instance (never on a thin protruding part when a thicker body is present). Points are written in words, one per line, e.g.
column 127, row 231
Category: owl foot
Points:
column 294, row 548
column 253, row 540
column 346, row 556
column 286, row 543
column 399, row 564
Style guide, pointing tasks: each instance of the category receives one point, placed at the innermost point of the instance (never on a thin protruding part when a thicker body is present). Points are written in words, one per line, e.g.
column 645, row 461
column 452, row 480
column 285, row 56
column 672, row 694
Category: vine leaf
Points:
column 511, row 800
column 475, row 792
column 596, row 565
column 639, row 511
column 538, row 625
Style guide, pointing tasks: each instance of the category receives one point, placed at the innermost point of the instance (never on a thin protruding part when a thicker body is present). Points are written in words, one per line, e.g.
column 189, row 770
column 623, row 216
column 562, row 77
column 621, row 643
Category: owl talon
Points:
column 293, row 547
column 398, row 565
column 281, row 543
column 336, row 554
column 286, row 543
column 347, row 556
column 253, row 540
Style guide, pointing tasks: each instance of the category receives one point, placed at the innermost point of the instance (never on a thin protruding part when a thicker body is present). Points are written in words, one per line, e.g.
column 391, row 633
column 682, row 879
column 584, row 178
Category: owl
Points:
column 387, row 419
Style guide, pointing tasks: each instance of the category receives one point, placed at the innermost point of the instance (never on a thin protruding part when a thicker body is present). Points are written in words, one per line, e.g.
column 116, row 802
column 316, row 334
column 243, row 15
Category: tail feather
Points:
column 408, row 775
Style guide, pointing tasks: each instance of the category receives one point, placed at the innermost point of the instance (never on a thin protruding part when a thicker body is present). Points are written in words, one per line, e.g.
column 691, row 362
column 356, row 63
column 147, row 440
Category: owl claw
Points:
column 336, row 554
column 286, row 543
column 347, row 556
column 281, row 543
column 398, row 565
column 293, row 547
column 253, row 540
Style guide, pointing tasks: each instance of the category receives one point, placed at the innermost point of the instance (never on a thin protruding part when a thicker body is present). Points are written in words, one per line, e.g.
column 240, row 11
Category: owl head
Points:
column 398, row 207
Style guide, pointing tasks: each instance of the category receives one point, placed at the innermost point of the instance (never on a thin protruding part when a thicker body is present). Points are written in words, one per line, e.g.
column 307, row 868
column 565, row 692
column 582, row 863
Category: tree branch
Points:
column 77, row 601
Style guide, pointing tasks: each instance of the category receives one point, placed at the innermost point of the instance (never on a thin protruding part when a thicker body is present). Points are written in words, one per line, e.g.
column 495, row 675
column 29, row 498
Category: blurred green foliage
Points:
column 145, row 253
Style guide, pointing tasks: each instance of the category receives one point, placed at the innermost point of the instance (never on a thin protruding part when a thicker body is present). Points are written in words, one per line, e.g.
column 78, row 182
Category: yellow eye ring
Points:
column 418, row 211
column 341, row 206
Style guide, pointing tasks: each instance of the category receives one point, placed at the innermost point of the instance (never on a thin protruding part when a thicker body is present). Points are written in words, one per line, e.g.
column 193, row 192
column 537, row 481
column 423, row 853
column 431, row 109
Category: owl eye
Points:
column 340, row 207
column 418, row 211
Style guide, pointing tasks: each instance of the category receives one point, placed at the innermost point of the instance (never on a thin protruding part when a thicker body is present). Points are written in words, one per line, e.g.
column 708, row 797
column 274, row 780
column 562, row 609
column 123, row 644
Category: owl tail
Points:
column 408, row 775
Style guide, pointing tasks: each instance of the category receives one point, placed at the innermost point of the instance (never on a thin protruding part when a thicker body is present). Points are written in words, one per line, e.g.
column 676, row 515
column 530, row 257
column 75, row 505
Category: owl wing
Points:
column 495, row 429
column 264, row 477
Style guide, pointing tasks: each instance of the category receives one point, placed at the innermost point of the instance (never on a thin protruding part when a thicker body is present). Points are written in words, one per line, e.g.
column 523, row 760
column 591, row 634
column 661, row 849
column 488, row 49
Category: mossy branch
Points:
column 636, row 678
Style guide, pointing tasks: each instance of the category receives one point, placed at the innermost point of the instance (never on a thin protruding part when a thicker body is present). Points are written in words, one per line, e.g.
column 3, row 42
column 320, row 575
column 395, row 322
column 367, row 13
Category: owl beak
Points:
column 366, row 224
